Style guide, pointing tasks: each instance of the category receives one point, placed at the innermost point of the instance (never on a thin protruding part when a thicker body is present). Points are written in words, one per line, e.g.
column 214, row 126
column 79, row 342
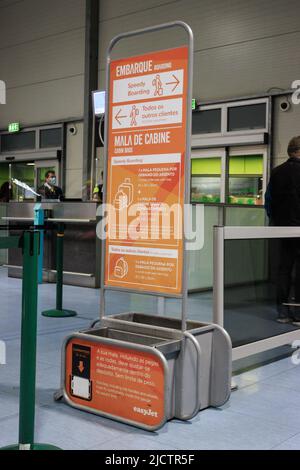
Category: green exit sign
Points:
column 194, row 104
column 14, row 127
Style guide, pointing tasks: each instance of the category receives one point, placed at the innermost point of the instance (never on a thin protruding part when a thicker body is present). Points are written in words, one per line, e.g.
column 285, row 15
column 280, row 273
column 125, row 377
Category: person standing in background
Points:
column 49, row 190
column 284, row 203
column 5, row 192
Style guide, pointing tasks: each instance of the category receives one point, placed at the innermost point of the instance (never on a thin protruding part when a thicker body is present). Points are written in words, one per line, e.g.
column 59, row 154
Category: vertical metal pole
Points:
column 59, row 265
column 93, row 152
column 59, row 312
column 90, row 84
column 105, row 172
column 30, row 248
column 39, row 220
column 218, row 276
column 226, row 176
column 187, row 175
column 28, row 339
column 161, row 305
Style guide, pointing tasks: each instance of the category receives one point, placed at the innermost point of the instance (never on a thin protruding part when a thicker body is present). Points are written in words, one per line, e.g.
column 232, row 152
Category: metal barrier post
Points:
column 39, row 220
column 218, row 275
column 30, row 247
column 59, row 311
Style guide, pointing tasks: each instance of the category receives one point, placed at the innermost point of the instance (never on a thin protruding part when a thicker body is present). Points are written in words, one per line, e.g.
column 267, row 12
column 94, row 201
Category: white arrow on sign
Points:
column 176, row 83
column 118, row 117
column 145, row 87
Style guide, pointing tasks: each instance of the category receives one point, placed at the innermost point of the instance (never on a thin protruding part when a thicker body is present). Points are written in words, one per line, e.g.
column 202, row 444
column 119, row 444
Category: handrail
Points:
column 50, row 219
column 247, row 233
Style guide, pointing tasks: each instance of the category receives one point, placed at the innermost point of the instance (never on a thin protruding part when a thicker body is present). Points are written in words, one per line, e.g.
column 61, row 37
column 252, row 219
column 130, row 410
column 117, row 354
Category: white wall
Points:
column 42, row 46
column 42, row 60
column 74, row 161
column 241, row 46
column 286, row 126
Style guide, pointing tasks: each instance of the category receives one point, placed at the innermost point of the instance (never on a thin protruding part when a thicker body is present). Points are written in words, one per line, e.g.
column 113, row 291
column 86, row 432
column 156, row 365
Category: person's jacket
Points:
column 51, row 192
column 285, row 193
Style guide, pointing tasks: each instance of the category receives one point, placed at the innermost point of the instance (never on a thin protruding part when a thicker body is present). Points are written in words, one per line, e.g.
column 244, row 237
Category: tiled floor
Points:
column 264, row 413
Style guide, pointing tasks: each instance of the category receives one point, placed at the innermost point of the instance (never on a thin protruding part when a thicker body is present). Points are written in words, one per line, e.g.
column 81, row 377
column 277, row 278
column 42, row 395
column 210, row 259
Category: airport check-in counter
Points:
column 81, row 263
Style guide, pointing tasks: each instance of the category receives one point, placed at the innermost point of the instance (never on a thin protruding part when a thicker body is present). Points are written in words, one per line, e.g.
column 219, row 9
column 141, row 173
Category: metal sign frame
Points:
column 190, row 45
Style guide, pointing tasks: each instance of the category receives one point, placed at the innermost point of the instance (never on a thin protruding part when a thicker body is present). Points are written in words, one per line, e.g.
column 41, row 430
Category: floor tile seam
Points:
column 285, row 440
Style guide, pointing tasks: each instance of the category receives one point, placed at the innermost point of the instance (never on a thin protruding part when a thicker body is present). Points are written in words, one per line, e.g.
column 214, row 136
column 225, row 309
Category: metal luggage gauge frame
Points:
column 126, row 345
column 190, row 44
column 187, row 355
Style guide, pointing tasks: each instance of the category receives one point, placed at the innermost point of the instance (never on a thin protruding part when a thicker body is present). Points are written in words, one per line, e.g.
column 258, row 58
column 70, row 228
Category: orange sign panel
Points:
column 145, row 173
column 121, row 382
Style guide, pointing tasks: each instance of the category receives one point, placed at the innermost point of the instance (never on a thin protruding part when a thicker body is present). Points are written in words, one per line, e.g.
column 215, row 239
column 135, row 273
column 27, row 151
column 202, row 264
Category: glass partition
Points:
column 252, row 281
column 200, row 263
column 236, row 216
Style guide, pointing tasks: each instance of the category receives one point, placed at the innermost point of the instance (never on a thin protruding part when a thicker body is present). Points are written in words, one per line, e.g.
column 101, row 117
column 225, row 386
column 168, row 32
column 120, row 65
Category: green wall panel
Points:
column 246, row 165
column 206, row 166
column 239, row 165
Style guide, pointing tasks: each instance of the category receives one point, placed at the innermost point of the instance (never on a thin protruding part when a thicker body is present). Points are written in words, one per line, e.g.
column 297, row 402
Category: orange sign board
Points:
column 124, row 383
column 145, row 171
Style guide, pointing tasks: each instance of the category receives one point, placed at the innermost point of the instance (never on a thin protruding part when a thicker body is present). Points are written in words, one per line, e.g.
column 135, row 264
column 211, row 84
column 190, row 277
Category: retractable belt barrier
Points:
column 58, row 311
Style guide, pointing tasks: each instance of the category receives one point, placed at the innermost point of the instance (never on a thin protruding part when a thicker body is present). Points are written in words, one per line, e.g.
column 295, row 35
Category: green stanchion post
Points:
column 31, row 243
column 59, row 311
column 28, row 335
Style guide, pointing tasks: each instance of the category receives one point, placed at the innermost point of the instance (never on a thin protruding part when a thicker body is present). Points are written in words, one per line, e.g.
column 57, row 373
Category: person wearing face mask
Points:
column 49, row 190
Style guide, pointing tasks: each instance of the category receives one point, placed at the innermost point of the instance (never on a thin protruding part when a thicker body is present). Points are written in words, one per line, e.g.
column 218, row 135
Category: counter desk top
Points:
column 50, row 219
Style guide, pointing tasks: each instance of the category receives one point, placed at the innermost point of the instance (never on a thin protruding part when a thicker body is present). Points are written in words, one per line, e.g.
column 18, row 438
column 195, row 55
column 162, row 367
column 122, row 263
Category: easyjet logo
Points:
column 145, row 412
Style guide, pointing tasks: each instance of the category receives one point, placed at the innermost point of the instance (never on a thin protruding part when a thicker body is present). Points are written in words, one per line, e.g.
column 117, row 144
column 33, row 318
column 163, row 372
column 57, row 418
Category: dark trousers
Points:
column 289, row 259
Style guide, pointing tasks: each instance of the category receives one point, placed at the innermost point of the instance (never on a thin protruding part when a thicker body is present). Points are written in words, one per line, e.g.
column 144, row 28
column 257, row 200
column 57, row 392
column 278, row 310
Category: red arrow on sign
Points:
column 81, row 367
column 176, row 83
column 118, row 117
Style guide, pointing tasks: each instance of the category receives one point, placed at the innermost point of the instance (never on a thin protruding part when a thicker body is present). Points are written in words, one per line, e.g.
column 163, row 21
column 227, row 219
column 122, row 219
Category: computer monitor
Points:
column 99, row 102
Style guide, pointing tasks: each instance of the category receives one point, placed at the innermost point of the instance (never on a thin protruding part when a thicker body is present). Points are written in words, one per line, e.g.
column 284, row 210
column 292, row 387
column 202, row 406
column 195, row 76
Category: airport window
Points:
column 51, row 137
column 206, row 180
column 20, row 141
column 207, row 121
column 246, row 117
column 246, row 180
